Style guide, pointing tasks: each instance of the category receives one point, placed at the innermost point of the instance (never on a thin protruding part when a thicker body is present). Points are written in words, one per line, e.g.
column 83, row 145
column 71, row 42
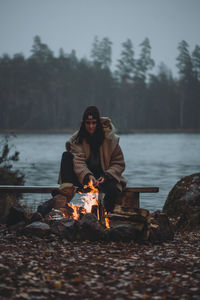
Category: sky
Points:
column 73, row 24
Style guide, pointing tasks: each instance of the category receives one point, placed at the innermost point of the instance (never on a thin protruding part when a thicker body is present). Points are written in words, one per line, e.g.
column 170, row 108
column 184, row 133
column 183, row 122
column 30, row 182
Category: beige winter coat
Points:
column 111, row 156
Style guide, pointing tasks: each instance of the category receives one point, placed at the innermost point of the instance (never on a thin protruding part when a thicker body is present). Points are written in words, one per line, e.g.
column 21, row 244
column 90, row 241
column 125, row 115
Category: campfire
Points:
column 90, row 204
column 60, row 218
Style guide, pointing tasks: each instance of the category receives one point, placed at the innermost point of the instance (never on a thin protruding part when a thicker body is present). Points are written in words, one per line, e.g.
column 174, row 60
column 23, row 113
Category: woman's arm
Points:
column 79, row 162
column 117, row 163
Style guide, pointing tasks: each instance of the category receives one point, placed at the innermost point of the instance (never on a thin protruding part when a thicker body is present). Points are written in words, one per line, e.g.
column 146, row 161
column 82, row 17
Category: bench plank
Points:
column 49, row 189
column 143, row 189
column 27, row 189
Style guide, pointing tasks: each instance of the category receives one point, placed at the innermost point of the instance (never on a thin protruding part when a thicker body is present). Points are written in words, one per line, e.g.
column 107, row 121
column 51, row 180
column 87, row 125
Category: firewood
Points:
column 131, row 218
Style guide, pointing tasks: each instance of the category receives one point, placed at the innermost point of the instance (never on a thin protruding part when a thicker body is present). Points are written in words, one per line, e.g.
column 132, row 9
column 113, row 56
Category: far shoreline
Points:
column 119, row 131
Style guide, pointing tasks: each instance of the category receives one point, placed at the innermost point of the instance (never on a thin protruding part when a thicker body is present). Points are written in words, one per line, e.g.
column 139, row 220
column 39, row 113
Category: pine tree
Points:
column 184, row 64
column 102, row 52
column 145, row 63
column 196, row 61
column 40, row 51
column 126, row 64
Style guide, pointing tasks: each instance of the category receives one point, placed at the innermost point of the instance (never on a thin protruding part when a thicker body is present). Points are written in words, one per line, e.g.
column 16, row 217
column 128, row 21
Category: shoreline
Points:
column 120, row 131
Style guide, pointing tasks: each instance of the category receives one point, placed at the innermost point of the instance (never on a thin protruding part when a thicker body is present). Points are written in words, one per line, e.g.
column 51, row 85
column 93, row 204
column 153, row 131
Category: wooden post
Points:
column 129, row 199
column 101, row 209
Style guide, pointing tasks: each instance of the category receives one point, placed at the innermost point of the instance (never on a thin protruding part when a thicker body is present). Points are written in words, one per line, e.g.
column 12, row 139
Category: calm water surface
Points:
column 151, row 160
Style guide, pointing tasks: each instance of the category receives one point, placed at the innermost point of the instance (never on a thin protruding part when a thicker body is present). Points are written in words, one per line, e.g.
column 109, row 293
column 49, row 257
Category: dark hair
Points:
column 97, row 138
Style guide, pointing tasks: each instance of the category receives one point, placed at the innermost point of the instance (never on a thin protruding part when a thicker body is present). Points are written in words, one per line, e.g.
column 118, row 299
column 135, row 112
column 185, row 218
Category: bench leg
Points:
column 127, row 201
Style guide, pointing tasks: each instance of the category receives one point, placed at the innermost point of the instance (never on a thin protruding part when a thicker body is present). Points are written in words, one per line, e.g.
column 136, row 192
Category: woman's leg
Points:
column 109, row 187
column 67, row 169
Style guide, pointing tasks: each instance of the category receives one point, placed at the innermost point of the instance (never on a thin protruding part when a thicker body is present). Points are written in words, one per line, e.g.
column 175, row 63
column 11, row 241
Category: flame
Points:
column 91, row 186
column 76, row 212
column 91, row 198
column 107, row 221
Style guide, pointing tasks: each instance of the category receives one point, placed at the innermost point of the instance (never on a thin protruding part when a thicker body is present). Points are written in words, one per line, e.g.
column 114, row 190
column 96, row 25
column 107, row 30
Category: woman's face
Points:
column 90, row 125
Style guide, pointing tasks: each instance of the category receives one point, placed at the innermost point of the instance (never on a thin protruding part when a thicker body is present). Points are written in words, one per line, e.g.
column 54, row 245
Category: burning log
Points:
column 94, row 210
column 78, row 211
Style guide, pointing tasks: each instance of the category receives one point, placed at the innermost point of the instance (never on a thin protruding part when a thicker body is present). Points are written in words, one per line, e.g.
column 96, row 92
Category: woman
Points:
column 93, row 153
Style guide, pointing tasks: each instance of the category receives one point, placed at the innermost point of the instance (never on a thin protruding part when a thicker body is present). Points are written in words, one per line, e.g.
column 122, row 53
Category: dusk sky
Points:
column 73, row 24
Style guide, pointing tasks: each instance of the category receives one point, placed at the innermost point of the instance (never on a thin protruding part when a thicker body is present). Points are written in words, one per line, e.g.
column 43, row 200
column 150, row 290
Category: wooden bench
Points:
column 127, row 200
column 129, row 197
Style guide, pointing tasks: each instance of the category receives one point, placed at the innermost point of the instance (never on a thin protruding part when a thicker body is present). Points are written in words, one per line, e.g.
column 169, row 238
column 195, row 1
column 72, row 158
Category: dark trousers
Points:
column 67, row 169
column 109, row 187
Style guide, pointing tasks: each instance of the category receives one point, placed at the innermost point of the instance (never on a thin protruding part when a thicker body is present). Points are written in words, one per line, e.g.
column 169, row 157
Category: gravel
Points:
column 50, row 268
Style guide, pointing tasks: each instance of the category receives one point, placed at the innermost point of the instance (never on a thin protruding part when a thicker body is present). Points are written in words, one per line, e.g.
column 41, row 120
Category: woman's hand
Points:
column 101, row 180
column 94, row 180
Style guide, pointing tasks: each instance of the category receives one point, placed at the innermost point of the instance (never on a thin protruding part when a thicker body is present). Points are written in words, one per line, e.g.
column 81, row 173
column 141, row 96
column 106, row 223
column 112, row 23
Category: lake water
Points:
column 151, row 160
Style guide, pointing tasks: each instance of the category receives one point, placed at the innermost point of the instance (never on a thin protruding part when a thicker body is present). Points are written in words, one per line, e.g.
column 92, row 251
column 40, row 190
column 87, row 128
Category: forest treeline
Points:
column 44, row 91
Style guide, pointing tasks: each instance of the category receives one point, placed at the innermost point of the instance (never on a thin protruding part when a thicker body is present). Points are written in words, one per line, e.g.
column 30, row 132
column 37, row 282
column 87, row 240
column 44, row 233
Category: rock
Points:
column 65, row 229
column 90, row 228
column 160, row 228
column 60, row 201
column 183, row 203
column 39, row 229
column 16, row 215
column 123, row 233
column 46, row 207
column 18, row 228
column 36, row 216
column 57, row 202
column 189, row 220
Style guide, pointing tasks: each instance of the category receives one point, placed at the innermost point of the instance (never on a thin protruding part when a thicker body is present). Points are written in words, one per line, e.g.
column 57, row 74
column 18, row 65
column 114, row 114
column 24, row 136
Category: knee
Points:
column 66, row 156
column 110, row 187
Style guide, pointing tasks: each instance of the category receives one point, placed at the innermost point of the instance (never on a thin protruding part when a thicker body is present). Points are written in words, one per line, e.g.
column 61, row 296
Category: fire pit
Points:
column 91, row 200
column 88, row 221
